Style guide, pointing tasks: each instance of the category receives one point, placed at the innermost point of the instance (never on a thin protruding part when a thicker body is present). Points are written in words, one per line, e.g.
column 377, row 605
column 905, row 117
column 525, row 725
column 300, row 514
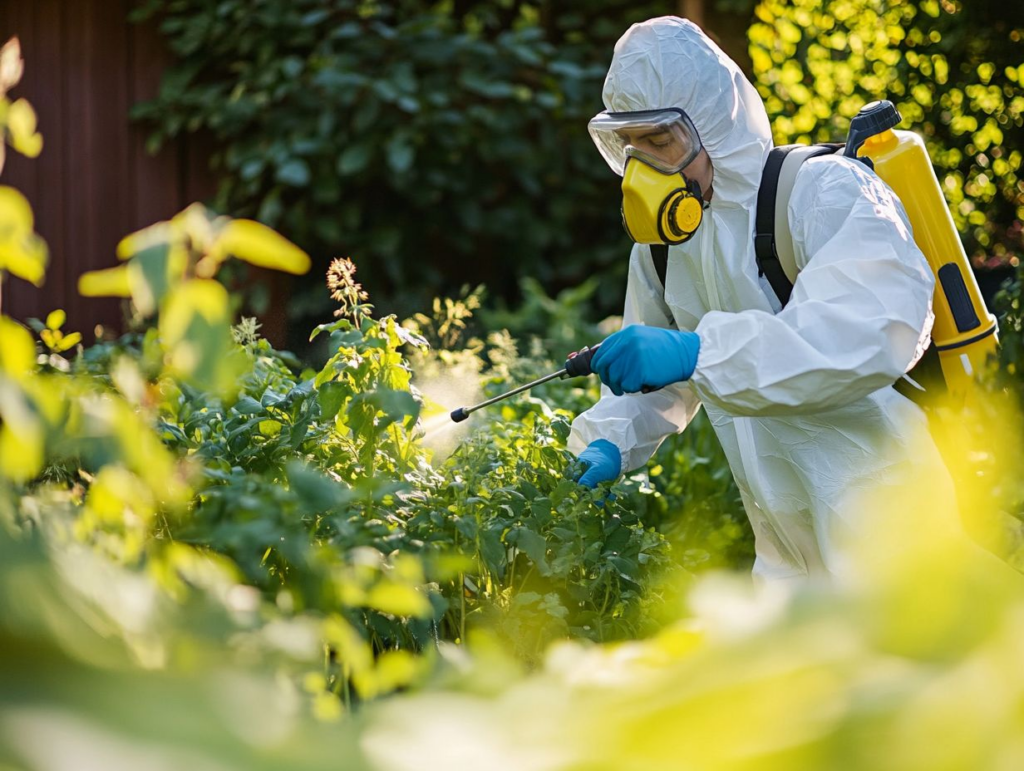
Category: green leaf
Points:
column 400, row 155
column 395, row 405
column 295, row 173
column 246, row 405
column 492, row 550
column 330, row 397
column 354, row 159
column 535, row 547
column 318, row 492
column 148, row 278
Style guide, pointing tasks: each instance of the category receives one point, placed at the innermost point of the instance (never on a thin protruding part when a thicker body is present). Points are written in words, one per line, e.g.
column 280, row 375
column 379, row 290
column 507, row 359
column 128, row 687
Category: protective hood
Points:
column 669, row 62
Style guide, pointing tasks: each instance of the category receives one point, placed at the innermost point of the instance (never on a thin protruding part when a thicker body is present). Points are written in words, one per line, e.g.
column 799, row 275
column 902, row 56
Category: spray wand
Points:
column 577, row 365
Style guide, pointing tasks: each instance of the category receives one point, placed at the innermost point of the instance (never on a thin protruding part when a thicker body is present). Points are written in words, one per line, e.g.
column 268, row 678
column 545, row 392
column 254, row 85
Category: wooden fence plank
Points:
column 156, row 181
column 86, row 65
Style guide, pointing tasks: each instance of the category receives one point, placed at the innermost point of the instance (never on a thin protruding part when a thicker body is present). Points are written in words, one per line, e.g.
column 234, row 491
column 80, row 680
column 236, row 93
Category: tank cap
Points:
column 873, row 118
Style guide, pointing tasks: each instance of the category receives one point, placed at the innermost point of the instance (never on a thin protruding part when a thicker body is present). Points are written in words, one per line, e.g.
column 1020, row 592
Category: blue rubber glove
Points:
column 603, row 463
column 640, row 357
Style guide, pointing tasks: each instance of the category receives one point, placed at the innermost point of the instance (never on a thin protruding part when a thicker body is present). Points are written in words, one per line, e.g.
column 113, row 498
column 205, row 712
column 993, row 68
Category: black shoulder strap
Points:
column 659, row 256
column 768, row 264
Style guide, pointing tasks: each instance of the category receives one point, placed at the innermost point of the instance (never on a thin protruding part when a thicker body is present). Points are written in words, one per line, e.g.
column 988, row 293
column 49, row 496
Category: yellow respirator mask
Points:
column 649, row 149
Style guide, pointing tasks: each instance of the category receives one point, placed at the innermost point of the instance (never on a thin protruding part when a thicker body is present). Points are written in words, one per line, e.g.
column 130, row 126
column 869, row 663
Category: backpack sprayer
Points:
column 965, row 333
column 576, row 365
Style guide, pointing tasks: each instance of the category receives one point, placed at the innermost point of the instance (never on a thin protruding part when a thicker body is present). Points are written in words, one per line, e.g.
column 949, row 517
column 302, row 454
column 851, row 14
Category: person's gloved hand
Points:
column 639, row 357
column 603, row 463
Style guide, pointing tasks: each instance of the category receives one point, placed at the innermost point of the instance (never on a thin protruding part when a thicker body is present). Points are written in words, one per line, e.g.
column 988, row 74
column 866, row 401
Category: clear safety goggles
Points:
column 665, row 139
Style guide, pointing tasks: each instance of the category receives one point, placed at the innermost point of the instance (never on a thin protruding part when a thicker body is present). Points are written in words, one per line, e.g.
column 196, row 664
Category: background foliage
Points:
column 435, row 143
column 443, row 143
column 954, row 69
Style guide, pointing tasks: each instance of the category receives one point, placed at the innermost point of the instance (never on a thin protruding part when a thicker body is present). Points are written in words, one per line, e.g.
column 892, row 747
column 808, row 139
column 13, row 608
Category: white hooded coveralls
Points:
column 800, row 398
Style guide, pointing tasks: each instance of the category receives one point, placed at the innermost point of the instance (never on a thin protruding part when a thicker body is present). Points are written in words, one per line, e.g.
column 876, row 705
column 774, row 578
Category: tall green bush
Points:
column 434, row 143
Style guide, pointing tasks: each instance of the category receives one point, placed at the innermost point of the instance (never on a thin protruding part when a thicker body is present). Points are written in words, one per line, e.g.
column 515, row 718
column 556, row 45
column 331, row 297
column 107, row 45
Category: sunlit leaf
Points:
column 195, row 225
column 27, row 260
column 195, row 329
column 397, row 669
column 17, row 350
column 22, row 435
column 259, row 245
column 69, row 341
column 399, row 600
column 22, row 252
column 109, row 282
column 21, row 124
column 148, row 275
column 159, row 234
column 351, row 648
column 55, row 319
column 204, row 298
column 116, row 493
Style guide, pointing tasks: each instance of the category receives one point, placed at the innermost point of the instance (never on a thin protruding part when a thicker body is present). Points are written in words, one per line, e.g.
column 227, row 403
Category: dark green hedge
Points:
column 434, row 143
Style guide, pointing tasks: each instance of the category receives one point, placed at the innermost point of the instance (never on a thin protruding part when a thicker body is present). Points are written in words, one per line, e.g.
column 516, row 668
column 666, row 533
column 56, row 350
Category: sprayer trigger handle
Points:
column 577, row 364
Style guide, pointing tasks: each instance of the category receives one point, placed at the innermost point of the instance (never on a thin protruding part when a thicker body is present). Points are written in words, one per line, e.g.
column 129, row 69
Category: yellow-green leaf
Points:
column 25, row 258
column 21, row 125
column 149, row 278
column 21, row 452
column 69, row 341
column 109, row 282
column 195, row 329
column 398, row 600
column 259, row 245
column 55, row 319
column 17, row 349
column 22, row 435
column 15, row 212
column 196, row 225
column 270, row 427
column 203, row 297
column 140, row 240
column 22, row 252
column 396, row 669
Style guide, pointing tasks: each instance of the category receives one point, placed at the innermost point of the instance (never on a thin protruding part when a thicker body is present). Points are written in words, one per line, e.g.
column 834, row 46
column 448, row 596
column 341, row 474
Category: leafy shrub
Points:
column 192, row 441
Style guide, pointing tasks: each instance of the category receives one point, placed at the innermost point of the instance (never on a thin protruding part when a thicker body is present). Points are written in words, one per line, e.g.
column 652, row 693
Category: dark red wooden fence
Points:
column 85, row 66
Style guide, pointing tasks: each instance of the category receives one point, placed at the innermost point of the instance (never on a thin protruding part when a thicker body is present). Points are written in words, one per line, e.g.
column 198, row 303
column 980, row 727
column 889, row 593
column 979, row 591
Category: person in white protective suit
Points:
column 801, row 398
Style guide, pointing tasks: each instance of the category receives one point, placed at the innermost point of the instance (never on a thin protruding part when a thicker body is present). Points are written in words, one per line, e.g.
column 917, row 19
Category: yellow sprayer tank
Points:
column 965, row 332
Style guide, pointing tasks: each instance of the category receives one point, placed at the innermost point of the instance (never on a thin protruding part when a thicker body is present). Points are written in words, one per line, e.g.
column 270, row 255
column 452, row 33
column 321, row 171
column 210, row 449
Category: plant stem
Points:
column 462, row 608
